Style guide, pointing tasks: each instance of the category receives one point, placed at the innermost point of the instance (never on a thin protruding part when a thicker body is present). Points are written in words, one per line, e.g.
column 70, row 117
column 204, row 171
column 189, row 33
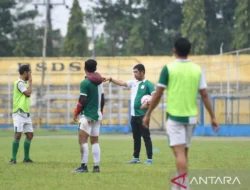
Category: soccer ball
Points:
column 145, row 99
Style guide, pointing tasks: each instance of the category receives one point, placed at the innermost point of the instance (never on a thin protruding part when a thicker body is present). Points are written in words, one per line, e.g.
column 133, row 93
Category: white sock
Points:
column 96, row 153
column 84, row 153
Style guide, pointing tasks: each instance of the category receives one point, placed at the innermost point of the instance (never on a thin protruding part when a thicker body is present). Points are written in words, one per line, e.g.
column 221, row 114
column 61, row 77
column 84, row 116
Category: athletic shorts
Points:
column 22, row 123
column 91, row 127
column 179, row 133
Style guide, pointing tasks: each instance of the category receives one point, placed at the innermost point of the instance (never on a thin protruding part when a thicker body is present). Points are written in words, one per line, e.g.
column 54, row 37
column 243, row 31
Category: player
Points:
column 21, row 113
column 139, row 88
column 90, row 107
column 183, row 80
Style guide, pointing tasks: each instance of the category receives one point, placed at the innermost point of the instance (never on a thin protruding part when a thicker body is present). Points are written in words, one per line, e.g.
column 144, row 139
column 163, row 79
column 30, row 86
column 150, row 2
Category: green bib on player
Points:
column 20, row 101
column 183, row 85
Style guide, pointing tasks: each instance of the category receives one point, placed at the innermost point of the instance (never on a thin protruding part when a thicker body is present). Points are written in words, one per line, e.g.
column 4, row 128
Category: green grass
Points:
column 56, row 157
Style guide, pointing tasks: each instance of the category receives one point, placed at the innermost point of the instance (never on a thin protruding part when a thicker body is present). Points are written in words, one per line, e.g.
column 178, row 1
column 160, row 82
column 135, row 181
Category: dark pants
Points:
column 138, row 131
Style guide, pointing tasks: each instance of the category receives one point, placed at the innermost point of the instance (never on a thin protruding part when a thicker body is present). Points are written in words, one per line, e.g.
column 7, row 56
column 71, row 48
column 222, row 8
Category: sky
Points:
column 60, row 15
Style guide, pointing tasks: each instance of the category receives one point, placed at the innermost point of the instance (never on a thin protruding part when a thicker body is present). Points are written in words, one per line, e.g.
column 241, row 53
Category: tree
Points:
column 76, row 43
column 142, row 27
column 241, row 35
column 194, row 26
column 219, row 24
column 6, row 27
column 26, row 36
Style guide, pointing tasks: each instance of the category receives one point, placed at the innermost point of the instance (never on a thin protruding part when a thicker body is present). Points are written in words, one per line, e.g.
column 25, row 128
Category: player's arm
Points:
column 102, row 102
column 22, row 88
column 118, row 82
column 26, row 91
column 206, row 100
column 205, row 97
column 82, row 101
column 161, row 86
column 80, row 105
column 102, row 97
column 155, row 100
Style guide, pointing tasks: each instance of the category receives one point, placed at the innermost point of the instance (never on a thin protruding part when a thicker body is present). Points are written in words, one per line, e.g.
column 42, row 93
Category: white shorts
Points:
column 179, row 133
column 91, row 127
column 22, row 123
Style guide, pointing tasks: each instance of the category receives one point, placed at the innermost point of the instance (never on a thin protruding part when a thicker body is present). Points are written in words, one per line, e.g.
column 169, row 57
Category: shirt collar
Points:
column 22, row 80
column 141, row 80
column 183, row 60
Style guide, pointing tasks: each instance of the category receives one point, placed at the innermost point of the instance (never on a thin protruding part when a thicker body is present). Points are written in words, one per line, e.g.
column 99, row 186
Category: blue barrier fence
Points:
column 200, row 130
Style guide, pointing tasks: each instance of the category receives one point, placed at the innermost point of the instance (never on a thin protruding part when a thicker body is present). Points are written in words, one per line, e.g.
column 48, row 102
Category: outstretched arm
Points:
column 115, row 81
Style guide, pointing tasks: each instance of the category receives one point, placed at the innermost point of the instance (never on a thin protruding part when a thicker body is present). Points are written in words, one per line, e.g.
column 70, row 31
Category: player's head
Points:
column 25, row 71
column 139, row 71
column 182, row 47
column 90, row 65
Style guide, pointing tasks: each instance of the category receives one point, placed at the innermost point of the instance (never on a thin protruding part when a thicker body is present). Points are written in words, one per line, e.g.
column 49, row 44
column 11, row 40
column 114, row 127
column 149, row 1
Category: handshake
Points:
column 109, row 79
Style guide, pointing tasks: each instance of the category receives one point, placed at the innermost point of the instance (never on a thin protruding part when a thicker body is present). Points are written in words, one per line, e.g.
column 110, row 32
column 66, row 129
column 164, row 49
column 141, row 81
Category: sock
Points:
column 15, row 146
column 84, row 153
column 27, row 149
column 96, row 153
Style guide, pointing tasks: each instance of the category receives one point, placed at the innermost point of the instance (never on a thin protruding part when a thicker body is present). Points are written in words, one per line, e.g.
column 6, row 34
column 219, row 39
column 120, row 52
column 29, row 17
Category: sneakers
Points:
column 137, row 161
column 96, row 169
column 134, row 161
column 148, row 161
column 27, row 161
column 12, row 162
column 24, row 161
column 82, row 169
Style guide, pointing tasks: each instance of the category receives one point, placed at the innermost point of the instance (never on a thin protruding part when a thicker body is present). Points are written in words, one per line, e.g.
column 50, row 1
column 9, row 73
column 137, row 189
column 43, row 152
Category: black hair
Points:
column 90, row 65
column 24, row 68
column 140, row 67
column 182, row 46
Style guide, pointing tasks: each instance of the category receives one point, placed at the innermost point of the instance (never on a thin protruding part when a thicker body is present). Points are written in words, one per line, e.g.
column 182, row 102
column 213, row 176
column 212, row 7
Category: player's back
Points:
column 93, row 92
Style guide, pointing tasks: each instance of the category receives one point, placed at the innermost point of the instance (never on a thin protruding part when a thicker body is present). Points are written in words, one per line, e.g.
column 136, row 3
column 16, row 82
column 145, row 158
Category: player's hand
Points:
column 215, row 124
column 144, row 106
column 30, row 79
column 105, row 79
column 75, row 118
column 145, row 121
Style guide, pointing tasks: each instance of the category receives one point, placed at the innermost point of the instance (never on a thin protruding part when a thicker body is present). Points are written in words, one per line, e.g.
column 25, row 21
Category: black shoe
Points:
column 82, row 169
column 27, row 161
column 12, row 161
column 96, row 169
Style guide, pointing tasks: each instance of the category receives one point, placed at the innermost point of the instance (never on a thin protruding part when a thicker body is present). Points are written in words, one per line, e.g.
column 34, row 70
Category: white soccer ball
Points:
column 145, row 99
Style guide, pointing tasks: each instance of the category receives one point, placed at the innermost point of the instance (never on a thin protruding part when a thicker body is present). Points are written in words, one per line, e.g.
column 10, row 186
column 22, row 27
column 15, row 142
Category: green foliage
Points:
column 76, row 42
column 194, row 26
column 242, row 25
column 6, row 27
column 139, row 27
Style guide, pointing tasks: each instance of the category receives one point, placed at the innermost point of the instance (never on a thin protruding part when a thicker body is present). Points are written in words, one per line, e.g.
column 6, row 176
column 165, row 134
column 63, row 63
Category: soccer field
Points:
column 56, row 156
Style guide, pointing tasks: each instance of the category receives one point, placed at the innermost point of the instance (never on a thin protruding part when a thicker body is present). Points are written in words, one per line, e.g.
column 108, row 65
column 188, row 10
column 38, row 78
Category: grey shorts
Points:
column 179, row 133
column 91, row 127
column 22, row 123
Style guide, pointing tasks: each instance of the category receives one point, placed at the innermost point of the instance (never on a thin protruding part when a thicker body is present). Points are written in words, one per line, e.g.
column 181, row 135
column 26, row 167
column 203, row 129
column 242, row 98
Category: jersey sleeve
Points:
column 163, row 80
column 130, row 83
column 203, row 83
column 151, row 88
column 84, row 88
column 21, row 87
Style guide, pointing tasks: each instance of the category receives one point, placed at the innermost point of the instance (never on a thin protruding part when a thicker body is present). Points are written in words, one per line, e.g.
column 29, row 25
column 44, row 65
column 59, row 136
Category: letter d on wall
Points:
column 57, row 66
